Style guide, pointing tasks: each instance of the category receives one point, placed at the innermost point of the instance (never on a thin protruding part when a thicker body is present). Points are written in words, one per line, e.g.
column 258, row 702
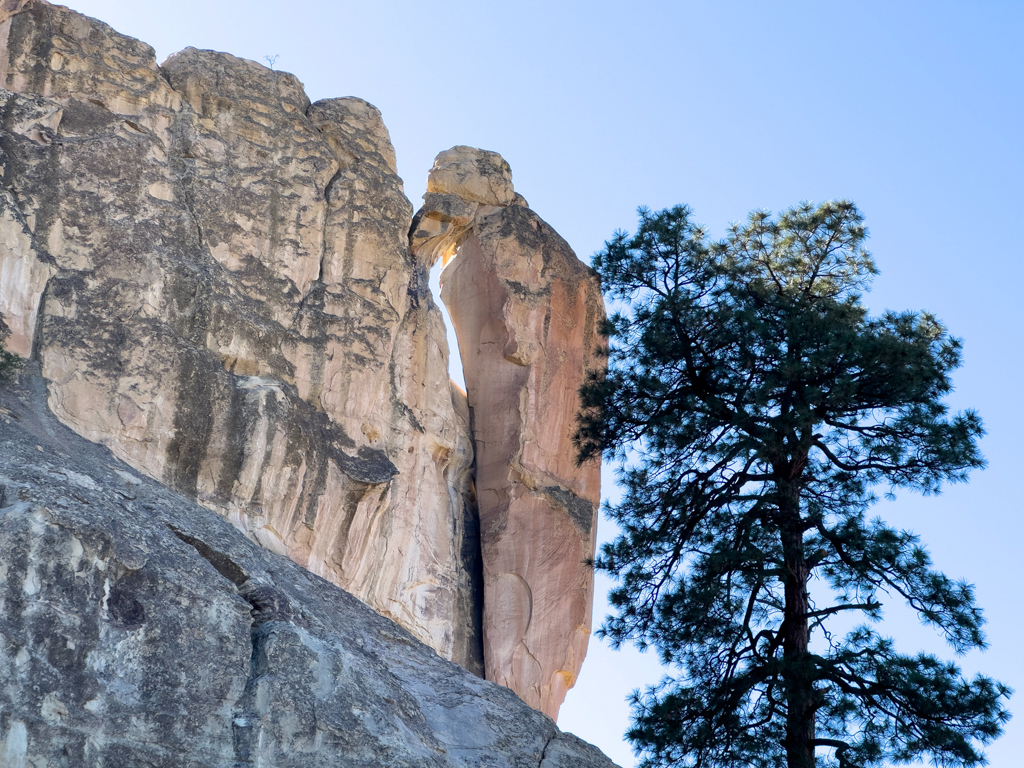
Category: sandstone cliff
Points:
column 223, row 284
column 138, row 630
column 216, row 278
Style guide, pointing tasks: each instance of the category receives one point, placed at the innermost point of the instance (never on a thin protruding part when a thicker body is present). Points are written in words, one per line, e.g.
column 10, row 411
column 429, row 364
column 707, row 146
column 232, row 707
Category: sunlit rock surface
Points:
column 526, row 312
column 215, row 277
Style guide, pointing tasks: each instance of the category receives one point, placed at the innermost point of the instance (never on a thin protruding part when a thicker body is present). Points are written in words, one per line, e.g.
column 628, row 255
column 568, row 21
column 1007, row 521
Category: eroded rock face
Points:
column 526, row 312
column 139, row 629
column 215, row 277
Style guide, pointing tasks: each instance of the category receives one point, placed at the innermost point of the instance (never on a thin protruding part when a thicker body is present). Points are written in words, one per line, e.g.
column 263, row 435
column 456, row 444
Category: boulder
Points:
column 475, row 175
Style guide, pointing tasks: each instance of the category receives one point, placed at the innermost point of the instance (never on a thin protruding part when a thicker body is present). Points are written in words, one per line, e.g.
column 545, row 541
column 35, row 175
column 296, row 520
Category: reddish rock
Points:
column 526, row 313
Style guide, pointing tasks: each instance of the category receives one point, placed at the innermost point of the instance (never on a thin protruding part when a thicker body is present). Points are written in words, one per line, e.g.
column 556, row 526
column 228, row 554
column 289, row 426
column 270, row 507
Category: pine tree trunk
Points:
column 800, row 698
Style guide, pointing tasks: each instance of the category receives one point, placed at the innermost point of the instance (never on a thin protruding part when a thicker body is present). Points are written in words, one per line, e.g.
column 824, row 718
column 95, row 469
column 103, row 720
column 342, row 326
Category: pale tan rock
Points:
column 526, row 312
column 439, row 224
column 216, row 279
column 23, row 275
column 256, row 171
column 473, row 174
column 43, row 56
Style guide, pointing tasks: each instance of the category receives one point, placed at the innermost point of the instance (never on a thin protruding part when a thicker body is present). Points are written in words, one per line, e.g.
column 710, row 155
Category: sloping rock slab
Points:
column 139, row 629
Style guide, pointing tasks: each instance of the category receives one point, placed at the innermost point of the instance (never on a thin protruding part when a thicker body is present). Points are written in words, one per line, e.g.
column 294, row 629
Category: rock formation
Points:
column 217, row 282
column 138, row 630
column 526, row 313
column 215, row 276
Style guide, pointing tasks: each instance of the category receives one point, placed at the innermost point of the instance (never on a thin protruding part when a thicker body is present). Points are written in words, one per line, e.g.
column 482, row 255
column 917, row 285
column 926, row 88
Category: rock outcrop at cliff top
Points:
column 215, row 276
column 138, row 630
column 526, row 313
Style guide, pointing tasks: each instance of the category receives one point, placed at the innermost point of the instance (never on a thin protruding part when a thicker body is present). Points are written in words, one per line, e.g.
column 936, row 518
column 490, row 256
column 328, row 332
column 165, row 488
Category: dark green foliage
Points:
column 9, row 362
column 755, row 405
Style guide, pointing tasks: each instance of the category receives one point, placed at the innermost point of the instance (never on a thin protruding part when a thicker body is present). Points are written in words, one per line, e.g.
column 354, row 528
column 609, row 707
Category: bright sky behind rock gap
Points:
column 913, row 110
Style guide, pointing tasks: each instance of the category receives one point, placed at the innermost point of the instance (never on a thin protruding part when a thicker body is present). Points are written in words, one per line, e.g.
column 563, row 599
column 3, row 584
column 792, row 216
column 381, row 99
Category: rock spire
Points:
column 526, row 313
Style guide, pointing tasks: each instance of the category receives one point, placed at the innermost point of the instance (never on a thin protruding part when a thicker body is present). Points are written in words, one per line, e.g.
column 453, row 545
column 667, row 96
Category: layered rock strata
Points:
column 138, row 629
column 215, row 277
column 526, row 313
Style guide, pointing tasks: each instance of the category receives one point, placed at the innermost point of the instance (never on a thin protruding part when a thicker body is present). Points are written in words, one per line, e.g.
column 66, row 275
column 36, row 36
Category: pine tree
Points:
column 754, row 406
column 9, row 362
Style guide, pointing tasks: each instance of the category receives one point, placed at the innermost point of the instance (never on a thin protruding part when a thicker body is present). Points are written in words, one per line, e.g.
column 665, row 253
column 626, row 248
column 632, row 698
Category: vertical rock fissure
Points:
column 36, row 352
column 327, row 210
column 267, row 606
column 323, row 227
column 544, row 751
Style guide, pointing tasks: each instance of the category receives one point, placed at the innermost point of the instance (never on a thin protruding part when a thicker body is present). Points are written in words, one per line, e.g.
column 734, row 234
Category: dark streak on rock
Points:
column 580, row 510
column 223, row 564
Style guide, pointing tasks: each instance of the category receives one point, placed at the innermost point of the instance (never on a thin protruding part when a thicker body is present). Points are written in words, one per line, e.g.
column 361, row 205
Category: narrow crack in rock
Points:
column 268, row 604
column 223, row 564
column 544, row 752
column 323, row 229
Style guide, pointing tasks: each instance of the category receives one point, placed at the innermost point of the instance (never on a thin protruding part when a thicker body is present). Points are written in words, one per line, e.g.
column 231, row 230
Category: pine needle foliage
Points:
column 9, row 362
column 755, row 407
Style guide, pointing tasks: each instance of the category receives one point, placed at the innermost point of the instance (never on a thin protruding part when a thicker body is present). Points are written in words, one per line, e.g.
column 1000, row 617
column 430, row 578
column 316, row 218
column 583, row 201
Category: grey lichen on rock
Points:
column 139, row 629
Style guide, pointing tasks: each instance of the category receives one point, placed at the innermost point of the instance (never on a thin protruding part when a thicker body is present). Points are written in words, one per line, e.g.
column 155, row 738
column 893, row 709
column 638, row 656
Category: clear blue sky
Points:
column 915, row 110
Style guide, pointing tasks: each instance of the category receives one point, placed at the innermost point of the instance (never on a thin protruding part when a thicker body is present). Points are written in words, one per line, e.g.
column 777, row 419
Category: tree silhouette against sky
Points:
column 755, row 407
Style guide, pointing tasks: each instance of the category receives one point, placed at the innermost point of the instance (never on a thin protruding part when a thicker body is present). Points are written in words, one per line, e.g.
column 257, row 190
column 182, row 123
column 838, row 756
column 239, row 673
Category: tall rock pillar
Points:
column 526, row 313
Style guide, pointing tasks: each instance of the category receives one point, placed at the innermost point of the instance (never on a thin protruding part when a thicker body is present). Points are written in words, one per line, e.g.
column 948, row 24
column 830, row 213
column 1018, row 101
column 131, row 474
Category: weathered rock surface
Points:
column 223, row 284
column 215, row 277
column 138, row 630
column 526, row 312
